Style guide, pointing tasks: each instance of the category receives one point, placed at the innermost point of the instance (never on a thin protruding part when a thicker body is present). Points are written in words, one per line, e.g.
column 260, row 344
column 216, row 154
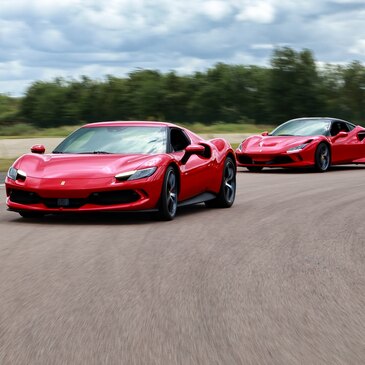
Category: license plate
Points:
column 63, row 202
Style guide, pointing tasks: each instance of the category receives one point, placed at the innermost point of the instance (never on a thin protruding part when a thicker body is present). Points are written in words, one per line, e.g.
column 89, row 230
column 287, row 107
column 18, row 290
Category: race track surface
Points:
column 277, row 279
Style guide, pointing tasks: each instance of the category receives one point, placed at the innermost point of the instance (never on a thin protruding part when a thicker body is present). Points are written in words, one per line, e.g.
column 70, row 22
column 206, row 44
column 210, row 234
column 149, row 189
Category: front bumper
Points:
column 83, row 195
column 273, row 159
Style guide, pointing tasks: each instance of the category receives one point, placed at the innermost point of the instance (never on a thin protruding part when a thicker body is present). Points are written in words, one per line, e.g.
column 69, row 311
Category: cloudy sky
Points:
column 43, row 39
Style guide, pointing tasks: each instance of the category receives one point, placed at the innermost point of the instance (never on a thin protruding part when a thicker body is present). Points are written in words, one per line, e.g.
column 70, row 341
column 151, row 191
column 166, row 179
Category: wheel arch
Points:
column 177, row 171
column 318, row 161
column 233, row 157
column 327, row 143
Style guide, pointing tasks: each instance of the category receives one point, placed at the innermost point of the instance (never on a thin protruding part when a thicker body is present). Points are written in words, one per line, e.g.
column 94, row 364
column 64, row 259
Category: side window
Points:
column 178, row 139
column 338, row 127
column 350, row 126
column 344, row 127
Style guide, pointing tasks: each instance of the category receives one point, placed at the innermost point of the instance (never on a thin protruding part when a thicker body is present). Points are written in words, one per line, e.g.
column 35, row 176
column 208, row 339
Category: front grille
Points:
column 97, row 198
column 113, row 197
column 64, row 203
column 278, row 160
column 244, row 159
column 24, row 197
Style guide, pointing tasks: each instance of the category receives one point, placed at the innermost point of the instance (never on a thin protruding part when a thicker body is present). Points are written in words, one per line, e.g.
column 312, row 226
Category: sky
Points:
column 44, row 39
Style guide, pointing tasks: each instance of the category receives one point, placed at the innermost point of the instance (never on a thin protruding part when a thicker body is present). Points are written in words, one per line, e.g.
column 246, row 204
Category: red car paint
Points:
column 83, row 178
column 273, row 151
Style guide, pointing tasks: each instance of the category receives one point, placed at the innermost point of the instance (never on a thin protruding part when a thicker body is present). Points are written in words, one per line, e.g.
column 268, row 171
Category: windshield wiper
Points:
column 284, row 135
column 95, row 153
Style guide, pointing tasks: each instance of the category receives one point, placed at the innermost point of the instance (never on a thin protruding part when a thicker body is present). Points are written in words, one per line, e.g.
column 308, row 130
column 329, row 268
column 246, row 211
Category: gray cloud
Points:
column 42, row 39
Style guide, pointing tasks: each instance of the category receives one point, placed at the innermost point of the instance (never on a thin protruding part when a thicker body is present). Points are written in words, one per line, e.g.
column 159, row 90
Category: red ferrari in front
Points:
column 123, row 166
column 304, row 142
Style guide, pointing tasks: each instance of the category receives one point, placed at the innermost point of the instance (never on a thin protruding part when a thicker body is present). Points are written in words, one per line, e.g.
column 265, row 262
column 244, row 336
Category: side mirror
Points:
column 265, row 133
column 38, row 148
column 192, row 149
column 340, row 135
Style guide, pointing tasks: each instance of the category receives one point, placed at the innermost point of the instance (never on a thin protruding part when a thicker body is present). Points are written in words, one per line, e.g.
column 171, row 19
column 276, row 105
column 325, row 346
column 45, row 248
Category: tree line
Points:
column 292, row 86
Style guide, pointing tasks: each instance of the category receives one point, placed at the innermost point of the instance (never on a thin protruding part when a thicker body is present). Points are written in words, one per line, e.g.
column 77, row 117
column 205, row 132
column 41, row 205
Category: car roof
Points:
column 330, row 119
column 130, row 124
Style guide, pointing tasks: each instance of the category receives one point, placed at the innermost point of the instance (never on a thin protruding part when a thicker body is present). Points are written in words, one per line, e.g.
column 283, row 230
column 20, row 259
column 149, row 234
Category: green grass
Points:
column 5, row 163
column 23, row 130
column 228, row 128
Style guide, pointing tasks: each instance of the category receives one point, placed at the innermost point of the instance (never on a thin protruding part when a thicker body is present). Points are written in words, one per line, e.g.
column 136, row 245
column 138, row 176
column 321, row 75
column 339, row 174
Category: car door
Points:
column 345, row 143
column 195, row 172
column 359, row 143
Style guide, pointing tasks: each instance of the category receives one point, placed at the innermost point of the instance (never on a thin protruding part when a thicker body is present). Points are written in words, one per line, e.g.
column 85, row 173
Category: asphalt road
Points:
column 277, row 279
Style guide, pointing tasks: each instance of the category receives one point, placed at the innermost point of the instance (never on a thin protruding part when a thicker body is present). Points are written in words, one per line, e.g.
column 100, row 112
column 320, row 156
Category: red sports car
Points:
column 314, row 142
column 123, row 166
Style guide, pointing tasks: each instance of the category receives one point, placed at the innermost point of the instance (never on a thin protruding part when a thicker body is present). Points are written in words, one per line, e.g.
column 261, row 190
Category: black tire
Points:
column 33, row 215
column 254, row 168
column 168, row 202
column 227, row 192
column 322, row 157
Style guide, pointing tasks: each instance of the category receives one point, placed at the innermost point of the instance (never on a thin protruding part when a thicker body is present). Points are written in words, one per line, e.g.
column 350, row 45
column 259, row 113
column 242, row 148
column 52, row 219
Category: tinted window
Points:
column 178, row 139
column 338, row 126
column 303, row 127
column 350, row 126
column 118, row 139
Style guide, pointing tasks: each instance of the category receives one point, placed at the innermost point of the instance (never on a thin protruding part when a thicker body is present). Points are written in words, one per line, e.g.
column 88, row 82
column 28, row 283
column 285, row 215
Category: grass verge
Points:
column 5, row 163
column 23, row 130
column 228, row 128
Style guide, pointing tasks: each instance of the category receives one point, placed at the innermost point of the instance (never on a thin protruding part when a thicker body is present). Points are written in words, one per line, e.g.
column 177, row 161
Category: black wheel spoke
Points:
column 323, row 157
column 229, row 182
column 227, row 192
column 169, row 195
column 169, row 201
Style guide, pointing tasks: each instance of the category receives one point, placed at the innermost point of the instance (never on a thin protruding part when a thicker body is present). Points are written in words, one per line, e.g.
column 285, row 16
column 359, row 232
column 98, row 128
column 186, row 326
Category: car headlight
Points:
column 298, row 148
column 16, row 174
column 136, row 174
column 240, row 146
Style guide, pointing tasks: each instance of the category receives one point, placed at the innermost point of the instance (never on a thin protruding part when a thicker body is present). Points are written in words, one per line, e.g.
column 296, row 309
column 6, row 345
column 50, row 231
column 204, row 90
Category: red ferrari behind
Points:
column 314, row 142
column 123, row 166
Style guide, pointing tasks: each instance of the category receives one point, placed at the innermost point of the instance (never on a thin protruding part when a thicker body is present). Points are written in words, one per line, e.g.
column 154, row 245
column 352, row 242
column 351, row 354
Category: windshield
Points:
column 303, row 127
column 115, row 139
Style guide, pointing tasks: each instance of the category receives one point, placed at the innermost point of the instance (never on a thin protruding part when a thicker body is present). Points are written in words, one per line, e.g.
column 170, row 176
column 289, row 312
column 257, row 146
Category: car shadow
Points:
column 109, row 218
column 293, row 171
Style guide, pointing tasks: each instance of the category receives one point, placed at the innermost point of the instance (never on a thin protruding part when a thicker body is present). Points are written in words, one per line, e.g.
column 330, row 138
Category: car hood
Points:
column 273, row 143
column 83, row 166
